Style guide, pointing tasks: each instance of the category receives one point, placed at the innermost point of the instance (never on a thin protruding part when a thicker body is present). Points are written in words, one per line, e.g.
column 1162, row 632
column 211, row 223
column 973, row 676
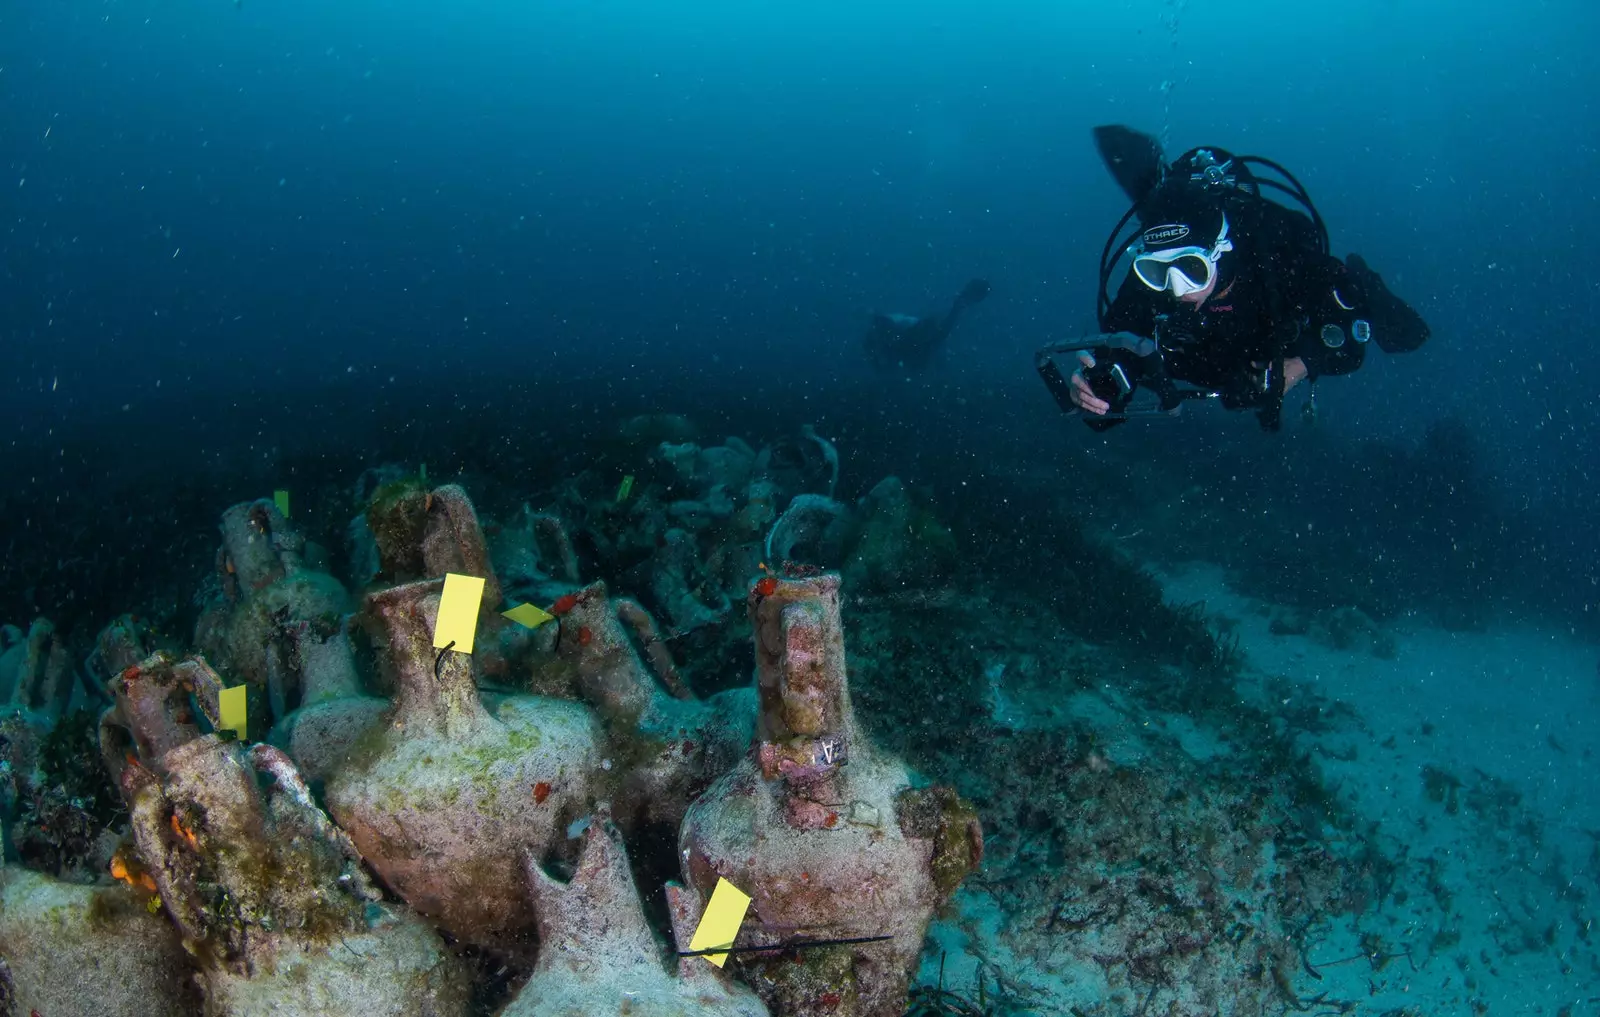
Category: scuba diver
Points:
column 907, row 343
column 1230, row 295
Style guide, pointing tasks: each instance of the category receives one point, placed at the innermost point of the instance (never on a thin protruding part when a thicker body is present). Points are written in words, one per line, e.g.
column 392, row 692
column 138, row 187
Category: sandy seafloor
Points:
column 1505, row 864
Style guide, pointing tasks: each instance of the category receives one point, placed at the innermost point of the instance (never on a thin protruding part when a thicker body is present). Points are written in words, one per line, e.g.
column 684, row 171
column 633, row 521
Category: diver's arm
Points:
column 1330, row 303
column 1317, row 359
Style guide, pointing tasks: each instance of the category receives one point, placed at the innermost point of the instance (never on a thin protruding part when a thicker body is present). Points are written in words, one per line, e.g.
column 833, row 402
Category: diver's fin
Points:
column 1133, row 157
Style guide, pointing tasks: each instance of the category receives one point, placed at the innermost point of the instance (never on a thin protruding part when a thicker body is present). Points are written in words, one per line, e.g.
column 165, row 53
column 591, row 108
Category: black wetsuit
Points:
column 1277, row 293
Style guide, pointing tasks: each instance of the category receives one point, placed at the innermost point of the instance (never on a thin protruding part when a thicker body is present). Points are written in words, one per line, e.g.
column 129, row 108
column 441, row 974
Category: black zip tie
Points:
column 791, row 944
column 438, row 662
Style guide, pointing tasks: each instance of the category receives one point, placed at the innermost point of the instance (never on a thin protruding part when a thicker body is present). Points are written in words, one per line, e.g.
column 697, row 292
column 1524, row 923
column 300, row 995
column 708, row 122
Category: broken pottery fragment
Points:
column 676, row 575
column 36, row 676
column 800, row 464
column 534, row 557
column 87, row 951
column 806, row 824
column 422, row 534
column 452, row 541
column 444, row 796
column 334, row 713
column 674, row 745
column 267, row 591
column 901, row 543
column 814, row 528
column 122, row 644
column 598, row 956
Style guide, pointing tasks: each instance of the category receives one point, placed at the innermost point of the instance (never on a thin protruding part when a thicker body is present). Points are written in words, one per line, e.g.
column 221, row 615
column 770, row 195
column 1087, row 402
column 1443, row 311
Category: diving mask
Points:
column 1183, row 270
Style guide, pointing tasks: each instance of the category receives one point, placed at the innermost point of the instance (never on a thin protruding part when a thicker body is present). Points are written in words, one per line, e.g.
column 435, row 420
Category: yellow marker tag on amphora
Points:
column 528, row 616
column 458, row 612
column 719, row 926
column 233, row 710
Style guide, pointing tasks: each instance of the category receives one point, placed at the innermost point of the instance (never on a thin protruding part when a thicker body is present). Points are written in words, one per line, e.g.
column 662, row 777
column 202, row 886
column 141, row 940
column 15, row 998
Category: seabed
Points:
column 1089, row 783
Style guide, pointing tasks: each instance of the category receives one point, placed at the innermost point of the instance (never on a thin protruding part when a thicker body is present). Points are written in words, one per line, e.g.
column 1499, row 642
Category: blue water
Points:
column 270, row 243
column 240, row 236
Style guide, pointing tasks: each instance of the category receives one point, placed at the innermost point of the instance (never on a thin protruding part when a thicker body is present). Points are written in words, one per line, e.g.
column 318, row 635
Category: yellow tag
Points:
column 280, row 498
column 458, row 612
column 231, row 710
column 719, row 926
column 528, row 616
column 625, row 488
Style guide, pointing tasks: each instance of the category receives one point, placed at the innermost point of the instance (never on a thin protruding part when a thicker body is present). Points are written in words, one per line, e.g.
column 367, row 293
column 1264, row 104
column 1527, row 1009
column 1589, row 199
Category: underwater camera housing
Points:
column 1128, row 374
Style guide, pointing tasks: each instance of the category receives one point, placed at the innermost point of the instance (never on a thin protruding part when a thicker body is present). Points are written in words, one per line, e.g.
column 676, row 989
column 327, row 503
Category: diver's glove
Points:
column 1396, row 328
column 1110, row 381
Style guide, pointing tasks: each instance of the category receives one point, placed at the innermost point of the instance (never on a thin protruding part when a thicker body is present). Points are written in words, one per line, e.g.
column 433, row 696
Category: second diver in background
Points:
column 903, row 342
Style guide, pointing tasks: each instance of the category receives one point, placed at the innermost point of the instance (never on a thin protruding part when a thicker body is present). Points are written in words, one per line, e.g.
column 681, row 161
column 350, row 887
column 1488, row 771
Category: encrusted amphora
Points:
column 597, row 954
column 827, row 836
column 268, row 894
column 674, row 744
column 445, row 795
column 72, row 949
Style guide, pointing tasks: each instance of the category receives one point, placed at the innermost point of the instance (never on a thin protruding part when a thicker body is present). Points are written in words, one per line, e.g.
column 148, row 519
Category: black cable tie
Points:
column 438, row 662
column 791, row 944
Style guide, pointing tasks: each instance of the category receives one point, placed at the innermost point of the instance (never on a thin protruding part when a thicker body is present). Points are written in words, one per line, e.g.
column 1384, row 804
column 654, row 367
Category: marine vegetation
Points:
column 66, row 807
